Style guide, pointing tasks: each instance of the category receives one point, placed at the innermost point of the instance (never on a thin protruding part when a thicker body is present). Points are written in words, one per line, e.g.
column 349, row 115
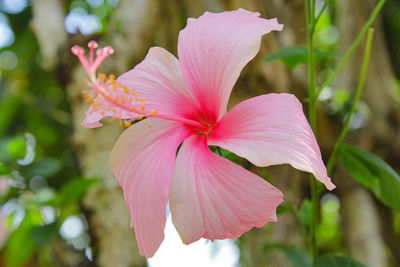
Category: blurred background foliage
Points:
column 41, row 183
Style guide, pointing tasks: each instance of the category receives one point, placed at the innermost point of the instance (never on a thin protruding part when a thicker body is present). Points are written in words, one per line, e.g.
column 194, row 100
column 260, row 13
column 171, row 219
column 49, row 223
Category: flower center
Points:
column 206, row 126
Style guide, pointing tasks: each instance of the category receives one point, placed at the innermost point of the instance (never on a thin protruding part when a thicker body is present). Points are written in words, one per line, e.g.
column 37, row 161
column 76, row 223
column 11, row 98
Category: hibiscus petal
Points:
column 159, row 79
column 214, row 198
column 212, row 51
column 143, row 161
column 93, row 116
column 271, row 129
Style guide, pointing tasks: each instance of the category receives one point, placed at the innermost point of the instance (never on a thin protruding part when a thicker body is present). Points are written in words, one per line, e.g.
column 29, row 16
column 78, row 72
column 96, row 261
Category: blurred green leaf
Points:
column 373, row 173
column 229, row 155
column 44, row 234
column 8, row 108
column 295, row 55
column 4, row 169
column 341, row 96
column 75, row 188
column 296, row 256
column 46, row 167
column 16, row 147
column 20, row 246
column 283, row 208
column 328, row 228
column 337, row 261
column 305, row 213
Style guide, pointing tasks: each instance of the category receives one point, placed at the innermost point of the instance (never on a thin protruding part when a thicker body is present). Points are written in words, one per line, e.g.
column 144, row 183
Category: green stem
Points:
column 332, row 159
column 321, row 13
column 352, row 48
column 310, row 9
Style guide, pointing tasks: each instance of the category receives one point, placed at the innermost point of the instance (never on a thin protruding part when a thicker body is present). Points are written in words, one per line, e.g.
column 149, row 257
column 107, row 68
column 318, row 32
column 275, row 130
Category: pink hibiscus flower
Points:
column 186, row 101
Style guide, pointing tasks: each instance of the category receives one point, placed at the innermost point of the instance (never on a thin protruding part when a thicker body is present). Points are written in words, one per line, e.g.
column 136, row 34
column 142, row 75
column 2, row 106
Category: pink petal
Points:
column 271, row 129
column 159, row 79
column 93, row 116
column 143, row 161
column 212, row 51
column 212, row 197
column 92, row 119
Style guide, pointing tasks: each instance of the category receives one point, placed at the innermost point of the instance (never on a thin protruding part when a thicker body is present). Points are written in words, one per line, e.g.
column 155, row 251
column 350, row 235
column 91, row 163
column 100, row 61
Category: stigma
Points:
column 106, row 95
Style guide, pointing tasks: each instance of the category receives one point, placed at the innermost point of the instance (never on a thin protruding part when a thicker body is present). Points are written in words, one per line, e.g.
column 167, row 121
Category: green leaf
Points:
column 373, row 173
column 16, row 147
column 294, row 255
column 74, row 189
column 295, row 55
column 46, row 167
column 337, row 260
column 4, row 169
column 284, row 208
column 305, row 213
column 20, row 247
column 9, row 106
column 44, row 234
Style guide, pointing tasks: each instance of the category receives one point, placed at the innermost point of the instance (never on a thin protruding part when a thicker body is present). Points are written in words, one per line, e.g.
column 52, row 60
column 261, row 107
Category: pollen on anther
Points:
column 127, row 123
column 102, row 77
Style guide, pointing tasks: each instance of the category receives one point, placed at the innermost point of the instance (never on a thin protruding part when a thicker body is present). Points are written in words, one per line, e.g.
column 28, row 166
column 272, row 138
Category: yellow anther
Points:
column 126, row 90
column 153, row 112
column 127, row 123
column 142, row 106
column 119, row 124
column 104, row 91
column 110, row 121
column 111, row 77
column 139, row 118
column 102, row 77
